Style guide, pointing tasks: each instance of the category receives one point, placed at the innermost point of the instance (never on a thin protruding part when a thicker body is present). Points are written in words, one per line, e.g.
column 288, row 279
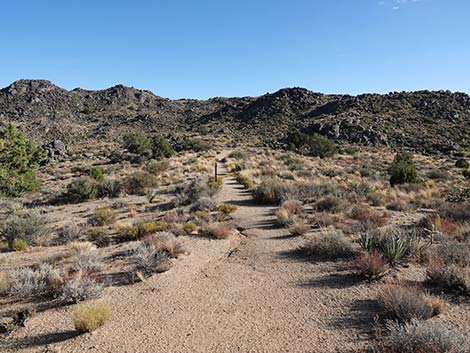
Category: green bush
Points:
column 98, row 236
column 137, row 142
column 312, row 145
column 96, row 173
column 161, row 147
column 18, row 158
column 403, row 169
column 195, row 145
column 462, row 163
column 89, row 318
column 466, row 174
column 156, row 167
column 104, row 216
column 237, row 155
column 109, row 188
column 80, row 190
column 272, row 191
column 139, row 183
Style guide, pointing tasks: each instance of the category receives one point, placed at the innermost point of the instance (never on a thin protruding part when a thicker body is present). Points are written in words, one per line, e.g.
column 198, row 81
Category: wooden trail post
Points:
column 215, row 171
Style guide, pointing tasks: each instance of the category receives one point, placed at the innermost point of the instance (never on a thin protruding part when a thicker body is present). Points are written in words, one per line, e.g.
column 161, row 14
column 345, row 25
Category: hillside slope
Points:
column 426, row 121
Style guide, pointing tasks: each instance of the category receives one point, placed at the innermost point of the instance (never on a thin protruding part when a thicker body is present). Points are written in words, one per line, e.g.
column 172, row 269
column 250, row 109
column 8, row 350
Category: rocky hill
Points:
column 426, row 121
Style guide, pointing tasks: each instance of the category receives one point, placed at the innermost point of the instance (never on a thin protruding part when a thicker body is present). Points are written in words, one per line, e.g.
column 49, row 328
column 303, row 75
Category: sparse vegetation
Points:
column 330, row 244
column 87, row 318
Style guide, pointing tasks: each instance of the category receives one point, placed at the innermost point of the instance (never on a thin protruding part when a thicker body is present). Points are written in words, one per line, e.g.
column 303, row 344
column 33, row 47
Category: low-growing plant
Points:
column 19, row 245
column 217, row 230
column 156, row 167
column 87, row 262
column 89, row 318
column 272, row 191
column 139, row 183
column 330, row 244
column 69, row 232
column 204, row 203
column 462, row 163
column 422, row 337
column 80, row 190
column 110, row 188
column 329, row 204
column 28, row 228
column 245, row 181
column 148, row 228
column 96, row 173
column 371, row 264
column 451, row 277
column 104, row 216
column 98, row 236
column 148, row 260
column 80, row 288
column 189, row 227
column 226, row 208
column 237, row 155
column 299, row 227
column 27, row 281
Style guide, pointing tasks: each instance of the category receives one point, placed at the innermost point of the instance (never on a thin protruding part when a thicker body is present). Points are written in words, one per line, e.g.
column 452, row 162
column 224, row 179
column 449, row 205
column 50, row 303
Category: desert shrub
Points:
column 87, row 262
column 156, row 167
column 126, row 231
column 368, row 216
column 80, row 190
column 217, row 230
column 226, row 208
column 19, row 245
column 189, row 227
column 462, row 164
column 237, row 155
column 466, row 173
column 98, row 236
column 438, row 174
column 80, row 288
column 457, row 212
column 89, row 318
column 138, row 143
column 299, row 227
column 96, row 173
column 18, row 158
column 196, row 189
column 315, row 191
column 161, row 147
column 195, row 145
column 148, row 260
column 452, row 277
column 3, row 283
column 166, row 242
column 69, row 232
column 28, row 228
column 405, row 303
column 394, row 245
column 139, row 183
column 312, row 145
column 27, row 281
column 403, row 169
column 422, row 337
column 205, row 203
column 148, row 228
column 330, row 244
column 272, row 191
column 284, row 218
column 371, row 264
column 245, row 181
column 104, row 216
column 329, row 204
column 109, row 188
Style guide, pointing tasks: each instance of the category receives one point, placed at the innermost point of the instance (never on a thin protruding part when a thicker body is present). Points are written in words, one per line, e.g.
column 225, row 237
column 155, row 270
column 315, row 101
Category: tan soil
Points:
column 248, row 293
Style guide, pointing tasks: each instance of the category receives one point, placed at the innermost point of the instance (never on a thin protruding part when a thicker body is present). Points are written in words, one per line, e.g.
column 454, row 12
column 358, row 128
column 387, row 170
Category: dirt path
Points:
column 246, row 294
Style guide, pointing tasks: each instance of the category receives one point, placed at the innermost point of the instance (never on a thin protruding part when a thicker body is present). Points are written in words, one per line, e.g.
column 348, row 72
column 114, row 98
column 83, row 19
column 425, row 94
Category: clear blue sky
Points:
column 206, row 48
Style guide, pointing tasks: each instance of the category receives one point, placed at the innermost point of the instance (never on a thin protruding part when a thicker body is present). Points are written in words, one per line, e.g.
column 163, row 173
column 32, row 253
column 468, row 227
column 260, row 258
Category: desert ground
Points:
column 282, row 253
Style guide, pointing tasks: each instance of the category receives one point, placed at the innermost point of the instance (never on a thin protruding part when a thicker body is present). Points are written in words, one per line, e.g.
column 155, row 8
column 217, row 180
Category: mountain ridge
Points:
column 427, row 121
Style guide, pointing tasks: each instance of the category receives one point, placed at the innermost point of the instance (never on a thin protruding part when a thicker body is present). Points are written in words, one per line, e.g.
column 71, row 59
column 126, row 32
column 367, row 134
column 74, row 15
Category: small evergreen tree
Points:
column 139, row 143
column 403, row 169
column 161, row 147
column 18, row 158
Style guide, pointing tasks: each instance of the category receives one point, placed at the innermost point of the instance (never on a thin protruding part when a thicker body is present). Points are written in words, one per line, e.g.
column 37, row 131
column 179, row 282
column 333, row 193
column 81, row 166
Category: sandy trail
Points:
column 245, row 294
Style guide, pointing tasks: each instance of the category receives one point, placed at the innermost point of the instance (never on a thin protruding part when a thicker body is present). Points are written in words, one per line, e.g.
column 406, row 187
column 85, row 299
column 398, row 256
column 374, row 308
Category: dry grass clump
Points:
column 226, row 208
column 422, row 337
column 369, row 217
column 328, row 204
column 217, row 230
column 89, row 318
column 245, row 181
column 406, row 303
column 273, row 191
column 329, row 244
column 449, row 266
column 139, row 183
column 288, row 212
column 87, row 262
column 299, row 227
column 204, row 203
column 166, row 242
column 371, row 264
column 148, row 260
column 189, row 227
column 69, row 232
